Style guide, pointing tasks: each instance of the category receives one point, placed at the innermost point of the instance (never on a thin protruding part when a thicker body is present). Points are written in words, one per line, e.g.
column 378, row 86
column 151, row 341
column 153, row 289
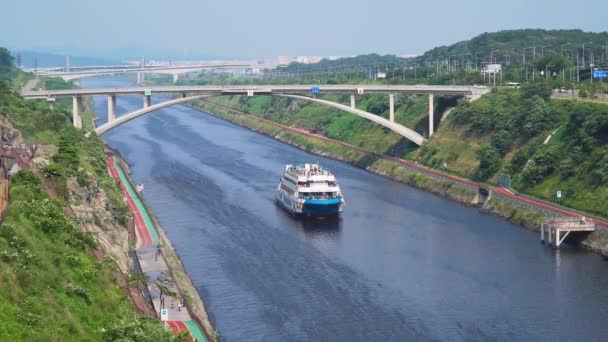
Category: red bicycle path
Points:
column 144, row 238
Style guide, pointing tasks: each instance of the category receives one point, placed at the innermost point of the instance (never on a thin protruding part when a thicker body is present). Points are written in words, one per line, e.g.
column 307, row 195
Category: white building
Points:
column 308, row 59
column 286, row 60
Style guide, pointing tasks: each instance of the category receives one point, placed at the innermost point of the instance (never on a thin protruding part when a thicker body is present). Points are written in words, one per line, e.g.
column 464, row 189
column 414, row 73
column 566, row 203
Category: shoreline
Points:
column 195, row 305
column 517, row 209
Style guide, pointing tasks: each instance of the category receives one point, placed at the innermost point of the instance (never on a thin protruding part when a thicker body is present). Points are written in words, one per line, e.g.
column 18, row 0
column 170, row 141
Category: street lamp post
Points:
column 542, row 51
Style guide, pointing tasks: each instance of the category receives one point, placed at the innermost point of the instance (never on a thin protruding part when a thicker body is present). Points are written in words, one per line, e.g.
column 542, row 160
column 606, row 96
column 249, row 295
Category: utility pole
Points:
column 542, row 51
column 584, row 53
column 578, row 69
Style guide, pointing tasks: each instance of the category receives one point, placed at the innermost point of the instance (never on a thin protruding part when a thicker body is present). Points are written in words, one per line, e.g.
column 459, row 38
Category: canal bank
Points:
column 400, row 265
column 169, row 287
column 522, row 210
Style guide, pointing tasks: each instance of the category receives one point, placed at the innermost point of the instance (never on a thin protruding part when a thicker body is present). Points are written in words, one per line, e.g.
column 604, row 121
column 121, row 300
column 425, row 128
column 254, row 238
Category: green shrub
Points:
column 489, row 162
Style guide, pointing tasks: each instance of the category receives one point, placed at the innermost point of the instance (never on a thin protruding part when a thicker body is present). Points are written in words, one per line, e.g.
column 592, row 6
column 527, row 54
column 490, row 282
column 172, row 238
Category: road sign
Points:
column 559, row 194
column 148, row 92
column 164, row 315
column 315, row 90
column 249, row 92
column 597, row 73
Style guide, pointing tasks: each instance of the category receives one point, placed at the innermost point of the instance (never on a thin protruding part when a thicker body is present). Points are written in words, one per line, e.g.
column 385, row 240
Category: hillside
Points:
column 460, row 63
column 508, row 45
column 502, row 132
column 63, row 239
column 507, row 131
column 410, row 111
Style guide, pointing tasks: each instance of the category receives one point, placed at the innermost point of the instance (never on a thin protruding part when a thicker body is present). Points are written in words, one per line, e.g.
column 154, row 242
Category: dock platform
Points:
column 558, row 229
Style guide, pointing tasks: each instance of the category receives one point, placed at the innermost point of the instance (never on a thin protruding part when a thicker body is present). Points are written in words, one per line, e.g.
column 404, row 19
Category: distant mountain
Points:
column 44, row 59
column 508, row 45
column 504, row 47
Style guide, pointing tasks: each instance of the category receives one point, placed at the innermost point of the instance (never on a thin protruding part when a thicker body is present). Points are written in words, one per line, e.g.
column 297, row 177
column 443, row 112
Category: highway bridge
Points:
column 173, row 70
column 301, row 92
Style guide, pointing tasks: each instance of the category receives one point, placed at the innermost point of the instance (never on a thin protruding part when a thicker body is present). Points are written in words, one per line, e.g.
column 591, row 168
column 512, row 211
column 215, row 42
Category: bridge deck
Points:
column 261, row 89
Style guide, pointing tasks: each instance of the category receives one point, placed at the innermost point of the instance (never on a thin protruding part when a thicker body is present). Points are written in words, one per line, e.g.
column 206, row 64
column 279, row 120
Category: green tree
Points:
column 542, row 164
column 6, row 64
column 539, row 89
column 489, row 162
column 502, row 141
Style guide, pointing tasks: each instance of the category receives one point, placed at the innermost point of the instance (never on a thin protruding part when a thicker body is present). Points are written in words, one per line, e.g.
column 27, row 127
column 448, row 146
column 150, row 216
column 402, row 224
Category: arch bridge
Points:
column 300, row 92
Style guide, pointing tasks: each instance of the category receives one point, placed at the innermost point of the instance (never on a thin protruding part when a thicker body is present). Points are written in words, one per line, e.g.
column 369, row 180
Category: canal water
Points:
column 400, row 265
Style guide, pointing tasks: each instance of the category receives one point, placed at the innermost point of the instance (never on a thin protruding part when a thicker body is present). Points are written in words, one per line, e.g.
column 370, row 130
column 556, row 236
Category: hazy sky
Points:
column 267, row 28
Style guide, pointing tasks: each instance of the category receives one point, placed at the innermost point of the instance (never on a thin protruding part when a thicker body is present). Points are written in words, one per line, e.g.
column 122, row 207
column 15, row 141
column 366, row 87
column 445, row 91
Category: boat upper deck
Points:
column 307, row 172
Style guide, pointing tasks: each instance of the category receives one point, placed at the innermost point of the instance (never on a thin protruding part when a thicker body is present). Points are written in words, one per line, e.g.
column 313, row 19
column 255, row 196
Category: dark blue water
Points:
column 401, row 264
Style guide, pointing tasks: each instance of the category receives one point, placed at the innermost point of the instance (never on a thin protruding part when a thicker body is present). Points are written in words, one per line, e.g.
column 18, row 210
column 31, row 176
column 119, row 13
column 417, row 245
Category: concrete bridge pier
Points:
column 175, row 78
column 352, row 101
column 391, row 106
column 76, row 119
column 147, row 101
column 431, row 115
column 140, row 78
column 111, row 108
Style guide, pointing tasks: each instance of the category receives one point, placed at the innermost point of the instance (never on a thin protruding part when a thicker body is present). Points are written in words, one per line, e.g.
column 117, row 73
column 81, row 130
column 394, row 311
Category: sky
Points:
column 269, row 28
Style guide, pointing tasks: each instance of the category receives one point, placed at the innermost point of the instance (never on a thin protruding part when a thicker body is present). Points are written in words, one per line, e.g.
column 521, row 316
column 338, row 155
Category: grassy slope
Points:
column 51, row 288
column 409, row 111
column 456, row 144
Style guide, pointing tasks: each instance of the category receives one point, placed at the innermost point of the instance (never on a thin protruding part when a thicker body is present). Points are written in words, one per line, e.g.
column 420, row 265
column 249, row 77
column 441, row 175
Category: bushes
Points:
column 539, row 89
column 139, row 329
column 501, row 141
column 489, row 162
column 540, row 165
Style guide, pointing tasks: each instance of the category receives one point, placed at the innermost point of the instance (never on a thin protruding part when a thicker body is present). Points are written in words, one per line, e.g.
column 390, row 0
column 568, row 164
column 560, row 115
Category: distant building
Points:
column 308, row 59
column 285, row 60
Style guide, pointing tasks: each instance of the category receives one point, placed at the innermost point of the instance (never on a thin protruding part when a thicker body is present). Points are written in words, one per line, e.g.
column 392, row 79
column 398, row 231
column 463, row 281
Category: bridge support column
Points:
column 352, row 101
column 76, row 120
column 147, row 101
column 175, row 78
column 431, row 115
column 111, row 108
column 391, row 106
column 140, row 78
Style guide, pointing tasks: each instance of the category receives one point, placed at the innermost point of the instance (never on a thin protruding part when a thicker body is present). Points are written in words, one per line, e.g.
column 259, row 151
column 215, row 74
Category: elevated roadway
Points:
column 263, row 90
column 189, row 93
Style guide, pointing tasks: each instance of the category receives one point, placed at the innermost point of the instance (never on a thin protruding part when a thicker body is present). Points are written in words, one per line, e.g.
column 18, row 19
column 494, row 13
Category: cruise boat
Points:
column 309, row 190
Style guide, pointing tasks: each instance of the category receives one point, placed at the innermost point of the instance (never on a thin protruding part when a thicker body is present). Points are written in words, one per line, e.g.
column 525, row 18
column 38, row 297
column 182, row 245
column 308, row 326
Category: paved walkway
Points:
column 153, row 263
